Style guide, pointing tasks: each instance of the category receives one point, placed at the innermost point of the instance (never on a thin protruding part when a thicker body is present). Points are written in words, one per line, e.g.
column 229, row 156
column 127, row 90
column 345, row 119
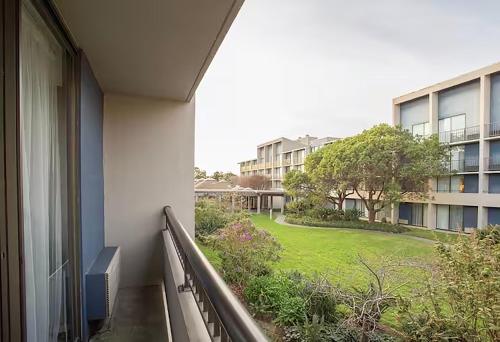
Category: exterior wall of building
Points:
column 144, row 170
column 470, row 195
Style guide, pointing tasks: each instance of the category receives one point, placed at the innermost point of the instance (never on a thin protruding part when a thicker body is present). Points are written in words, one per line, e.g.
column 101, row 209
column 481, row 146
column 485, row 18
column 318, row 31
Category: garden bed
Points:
column 358, row 224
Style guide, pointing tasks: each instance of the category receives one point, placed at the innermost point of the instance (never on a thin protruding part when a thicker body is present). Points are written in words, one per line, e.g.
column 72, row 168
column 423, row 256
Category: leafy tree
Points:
column 218, row 175
column 385, row 163
column 199, row 173
column 229, row 176
column 256, row 182
column 298, row 184
column 462, row 302
column 330, row 184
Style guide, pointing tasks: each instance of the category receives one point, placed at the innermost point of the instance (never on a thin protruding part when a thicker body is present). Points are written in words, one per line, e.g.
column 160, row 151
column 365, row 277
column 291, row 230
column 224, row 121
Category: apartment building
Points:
column 465, row 113
column 97, row 113
column 277, row 157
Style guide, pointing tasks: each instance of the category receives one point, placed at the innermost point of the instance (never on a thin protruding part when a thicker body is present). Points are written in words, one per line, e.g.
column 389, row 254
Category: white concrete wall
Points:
column 148, row 163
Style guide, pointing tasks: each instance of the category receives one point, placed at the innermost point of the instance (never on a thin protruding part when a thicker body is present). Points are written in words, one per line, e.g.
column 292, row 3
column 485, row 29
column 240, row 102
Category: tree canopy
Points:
column 384, row 163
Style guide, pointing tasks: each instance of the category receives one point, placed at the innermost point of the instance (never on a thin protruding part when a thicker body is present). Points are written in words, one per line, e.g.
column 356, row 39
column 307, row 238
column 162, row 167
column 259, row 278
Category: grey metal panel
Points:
column 414, row 112
column 459, row 100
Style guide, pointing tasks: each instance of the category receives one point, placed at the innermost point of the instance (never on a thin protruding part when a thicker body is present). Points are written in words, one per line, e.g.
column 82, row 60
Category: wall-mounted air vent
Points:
column 102, row 284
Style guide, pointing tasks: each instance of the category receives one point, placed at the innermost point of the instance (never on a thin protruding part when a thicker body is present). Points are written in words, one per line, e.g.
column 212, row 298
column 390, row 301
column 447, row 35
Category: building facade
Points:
column 465, row 113
column 277, row 157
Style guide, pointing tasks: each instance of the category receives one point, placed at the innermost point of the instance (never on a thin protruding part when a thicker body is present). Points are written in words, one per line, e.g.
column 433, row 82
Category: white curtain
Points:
column 41, row 66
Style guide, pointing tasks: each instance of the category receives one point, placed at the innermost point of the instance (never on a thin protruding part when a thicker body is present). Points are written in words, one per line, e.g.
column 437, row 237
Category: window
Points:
column 44, row 110
column 421, row 129
column 452, row 129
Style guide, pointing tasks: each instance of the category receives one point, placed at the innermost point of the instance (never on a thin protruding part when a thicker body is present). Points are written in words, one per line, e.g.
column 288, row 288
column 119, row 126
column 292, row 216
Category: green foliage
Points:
column 352, row 214
column 292, row 311
column 326, row 214
column 266, row 293
column 290, row 298
column 298, row 184
column 381, row 164
column 199, row 173
column 462, row 303
column 245, row 251
column 210, row 215
column 313, row 222
column 299, row 207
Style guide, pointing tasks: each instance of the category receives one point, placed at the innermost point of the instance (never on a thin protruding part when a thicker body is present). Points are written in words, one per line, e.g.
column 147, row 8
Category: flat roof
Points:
column 467, row 77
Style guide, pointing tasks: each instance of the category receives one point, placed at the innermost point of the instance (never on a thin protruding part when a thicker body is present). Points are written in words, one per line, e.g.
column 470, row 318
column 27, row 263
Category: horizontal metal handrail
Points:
column 492, row 163
column 217, row 304
column 463, row 165
column 493, row 129
column 458, row 135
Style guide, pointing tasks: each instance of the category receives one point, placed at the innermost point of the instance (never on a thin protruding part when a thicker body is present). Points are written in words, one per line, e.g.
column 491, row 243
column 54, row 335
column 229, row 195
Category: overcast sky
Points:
column 331, row 68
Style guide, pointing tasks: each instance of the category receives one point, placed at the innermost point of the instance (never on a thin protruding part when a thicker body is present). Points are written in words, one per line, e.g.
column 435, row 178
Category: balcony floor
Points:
column 138, row 316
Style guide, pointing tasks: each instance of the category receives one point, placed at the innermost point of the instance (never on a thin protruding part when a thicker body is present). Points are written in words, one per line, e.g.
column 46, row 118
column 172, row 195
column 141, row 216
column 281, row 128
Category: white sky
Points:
column 331, row 68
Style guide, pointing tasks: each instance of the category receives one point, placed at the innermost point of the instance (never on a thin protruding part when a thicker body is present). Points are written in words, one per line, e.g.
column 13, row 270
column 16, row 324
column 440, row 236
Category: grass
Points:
column 336, row 251
column 432, row 234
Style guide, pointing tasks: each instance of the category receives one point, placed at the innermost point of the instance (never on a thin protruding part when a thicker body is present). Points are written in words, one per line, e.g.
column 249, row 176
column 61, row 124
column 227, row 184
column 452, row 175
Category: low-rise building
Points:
column 277, row 157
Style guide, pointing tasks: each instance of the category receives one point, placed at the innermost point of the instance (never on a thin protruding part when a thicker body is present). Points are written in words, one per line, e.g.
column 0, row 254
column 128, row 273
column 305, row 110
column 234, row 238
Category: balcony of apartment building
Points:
column 459, row 135
column 106, row 141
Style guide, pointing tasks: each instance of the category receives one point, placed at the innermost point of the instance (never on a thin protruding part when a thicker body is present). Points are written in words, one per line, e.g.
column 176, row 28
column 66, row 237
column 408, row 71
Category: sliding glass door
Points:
column 44, row 109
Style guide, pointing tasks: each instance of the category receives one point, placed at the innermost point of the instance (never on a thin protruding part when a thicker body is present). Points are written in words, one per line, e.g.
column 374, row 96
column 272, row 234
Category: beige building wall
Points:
column 145, row 169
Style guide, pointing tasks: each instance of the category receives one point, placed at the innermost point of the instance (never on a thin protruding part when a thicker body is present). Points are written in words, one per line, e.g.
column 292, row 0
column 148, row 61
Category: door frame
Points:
column 12, row 287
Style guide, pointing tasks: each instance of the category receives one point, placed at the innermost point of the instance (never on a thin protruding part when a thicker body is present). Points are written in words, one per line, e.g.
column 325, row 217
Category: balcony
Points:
column 287, row 162
column 492, row 163
column 460, row 135
column 493, row 129
column 463, row 165
column 277, row 162
column 201, row 307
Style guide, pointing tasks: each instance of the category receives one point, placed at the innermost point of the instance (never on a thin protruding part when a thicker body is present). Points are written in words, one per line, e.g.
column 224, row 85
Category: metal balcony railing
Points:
column 492, row 163
column 463, row 165
column 225, row 318
column 459, row 135
column 493, row 129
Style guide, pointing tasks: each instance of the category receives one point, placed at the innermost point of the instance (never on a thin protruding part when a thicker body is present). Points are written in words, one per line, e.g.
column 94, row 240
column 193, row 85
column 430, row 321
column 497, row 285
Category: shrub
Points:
column 264, row 294
column 462, row 302
column 245, row 251
column 209, row 217
column 321, row 299
column 292, row 311
column 352, row 214
column 299, row 207
column 327, row 214
column 378, row 226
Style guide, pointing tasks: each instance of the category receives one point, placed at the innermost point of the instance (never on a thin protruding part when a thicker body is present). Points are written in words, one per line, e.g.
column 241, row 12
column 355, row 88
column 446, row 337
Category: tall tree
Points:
column 199, row 173
column 331, row 184
column 298, row 184
column 256, row 182
column 385, row 163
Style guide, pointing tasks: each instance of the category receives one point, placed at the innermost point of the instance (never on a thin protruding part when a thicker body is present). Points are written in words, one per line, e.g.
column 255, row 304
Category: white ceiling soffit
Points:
column 158, row 48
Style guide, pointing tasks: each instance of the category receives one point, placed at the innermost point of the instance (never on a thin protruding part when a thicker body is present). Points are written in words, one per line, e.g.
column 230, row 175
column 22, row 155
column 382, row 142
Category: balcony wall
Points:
column 148, row 146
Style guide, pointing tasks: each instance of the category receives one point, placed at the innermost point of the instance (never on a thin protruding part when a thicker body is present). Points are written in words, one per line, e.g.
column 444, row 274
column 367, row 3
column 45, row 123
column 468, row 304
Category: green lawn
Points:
column 335, row 252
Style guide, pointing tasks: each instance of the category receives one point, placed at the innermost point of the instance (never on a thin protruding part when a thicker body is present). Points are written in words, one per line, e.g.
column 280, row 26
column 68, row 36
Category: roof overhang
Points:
column 153, row 48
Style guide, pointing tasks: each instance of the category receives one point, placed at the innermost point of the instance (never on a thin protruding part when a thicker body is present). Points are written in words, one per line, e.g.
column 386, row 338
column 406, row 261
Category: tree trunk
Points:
column 340, row 203
column 371, row 215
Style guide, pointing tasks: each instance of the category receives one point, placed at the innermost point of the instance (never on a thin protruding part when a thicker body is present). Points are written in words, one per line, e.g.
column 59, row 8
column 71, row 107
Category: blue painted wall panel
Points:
column 92, row 178
column 494, row 183
column 493, row 215
column 471, row 151
column 470, row 217
column 471, row 183
column 495, row 149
